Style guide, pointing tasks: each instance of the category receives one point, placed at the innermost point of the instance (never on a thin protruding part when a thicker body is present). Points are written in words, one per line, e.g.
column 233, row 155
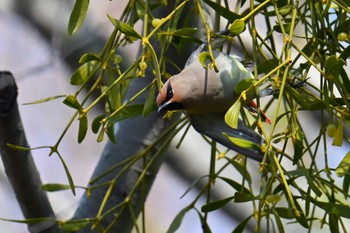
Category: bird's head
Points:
column 168, row 99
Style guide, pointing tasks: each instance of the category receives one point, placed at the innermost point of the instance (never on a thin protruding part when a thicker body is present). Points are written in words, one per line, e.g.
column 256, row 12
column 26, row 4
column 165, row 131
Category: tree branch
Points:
column 19, row 164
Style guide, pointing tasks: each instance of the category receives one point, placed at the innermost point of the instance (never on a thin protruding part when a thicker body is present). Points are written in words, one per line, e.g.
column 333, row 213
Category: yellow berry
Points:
column 143, row 65
column 342, row 36
column 156, row 22
column 331, row 129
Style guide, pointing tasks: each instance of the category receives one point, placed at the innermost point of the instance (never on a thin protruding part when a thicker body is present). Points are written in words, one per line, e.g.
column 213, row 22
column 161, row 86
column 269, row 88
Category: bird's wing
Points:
column 213, row 126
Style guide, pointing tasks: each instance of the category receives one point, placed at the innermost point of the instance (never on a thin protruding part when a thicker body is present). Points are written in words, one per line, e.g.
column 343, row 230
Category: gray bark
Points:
column 19, row 164
column 133, row 136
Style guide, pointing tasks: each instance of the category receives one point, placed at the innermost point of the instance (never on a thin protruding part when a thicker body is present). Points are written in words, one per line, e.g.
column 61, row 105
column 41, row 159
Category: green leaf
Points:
column 340, row 210
column 16, row 147
column 346, row 184
column 71, row 101
column 69, row 176
column 295, row 95
column 298, row 145
column 150, row 104
column 344, row 166
column 273, row 198
column 286, row 27
column 55, row 187
column 74, row 225
column 45, row 99
column 285, row 10
column 312, row 185
column 83, row 73
column 237, row 186
column 203, row 58
column 204, row 223
column 244, row 197
column 89, row 57
column 333, row 223
column 193, row 185
column 333, row 67
column 127, row 112
column 96, row 123
column 267, row 66
column 284, row 212
column 242, row 142
column 237, row 27
column 223, row 11
column 183, row 32
column 278, row 221
column 241, row 226
column 31, row 221
column 176, row 223
column 77, row 16
column 338, row 137
column 232, row 115
column 110, row 132
column 216, row 204
column 243, row 85
column 83, row 127
column 301, row 217
column 101, row 135
column 124, row 28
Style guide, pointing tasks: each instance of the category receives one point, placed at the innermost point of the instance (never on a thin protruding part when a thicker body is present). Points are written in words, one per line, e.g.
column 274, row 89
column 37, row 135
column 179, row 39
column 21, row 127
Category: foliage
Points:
column 295, row 42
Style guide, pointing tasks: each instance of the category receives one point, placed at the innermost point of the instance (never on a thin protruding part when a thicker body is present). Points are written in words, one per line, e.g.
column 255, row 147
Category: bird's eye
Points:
column 169, row 92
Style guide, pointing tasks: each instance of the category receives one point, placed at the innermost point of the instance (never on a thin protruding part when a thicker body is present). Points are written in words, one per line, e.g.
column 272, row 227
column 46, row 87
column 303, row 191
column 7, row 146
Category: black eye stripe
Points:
column 169, row 92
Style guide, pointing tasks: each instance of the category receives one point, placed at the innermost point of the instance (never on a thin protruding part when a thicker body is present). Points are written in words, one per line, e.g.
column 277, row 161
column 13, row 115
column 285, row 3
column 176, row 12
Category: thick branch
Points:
column 19, row 165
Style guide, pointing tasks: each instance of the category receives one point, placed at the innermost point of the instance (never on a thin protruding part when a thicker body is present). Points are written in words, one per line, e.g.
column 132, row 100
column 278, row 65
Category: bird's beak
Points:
column 169, row 106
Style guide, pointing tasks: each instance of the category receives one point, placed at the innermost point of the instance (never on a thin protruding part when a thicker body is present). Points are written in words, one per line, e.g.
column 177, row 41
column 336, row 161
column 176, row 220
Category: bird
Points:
column 205, row 95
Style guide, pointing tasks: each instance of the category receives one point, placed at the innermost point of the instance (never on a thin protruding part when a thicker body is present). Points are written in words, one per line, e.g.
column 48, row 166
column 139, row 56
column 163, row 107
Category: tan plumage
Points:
column 205, row 96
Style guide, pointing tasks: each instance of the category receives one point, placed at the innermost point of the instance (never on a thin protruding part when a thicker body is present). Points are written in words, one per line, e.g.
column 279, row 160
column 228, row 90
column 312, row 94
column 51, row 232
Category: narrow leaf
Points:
column 243, row 197
column 216, row 204
column 237, row 186
column 124, row 28
column 297, row 97
column 278, row 221
column 83, row 73
column 333, row 208
column 224, row 12
column 176, row 223
column 232, row 115
column 241, row 226
column 127, row 112
column 344, row 166
column 45, row 99
column 96, row 123
column 237, row 27
column 284, row 212
column 71, row 101
column 74, row 225
column 77, row 16
column 89, row 57
column 16, row 147
column 244, row 143
column 204, row 223
column 69, row 176
column 150, row 102
column 203, row 58
column 31, row 221
column 338, row 137
column 110, row 132
column 55, row 187
column 83, row 127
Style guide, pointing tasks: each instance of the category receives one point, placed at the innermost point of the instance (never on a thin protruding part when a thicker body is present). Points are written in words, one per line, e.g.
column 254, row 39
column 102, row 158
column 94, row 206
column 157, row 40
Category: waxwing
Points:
column 205, row 96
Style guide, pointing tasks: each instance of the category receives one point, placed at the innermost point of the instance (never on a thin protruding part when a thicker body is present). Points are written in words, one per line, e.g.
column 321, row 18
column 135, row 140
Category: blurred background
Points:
column 35, row 47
